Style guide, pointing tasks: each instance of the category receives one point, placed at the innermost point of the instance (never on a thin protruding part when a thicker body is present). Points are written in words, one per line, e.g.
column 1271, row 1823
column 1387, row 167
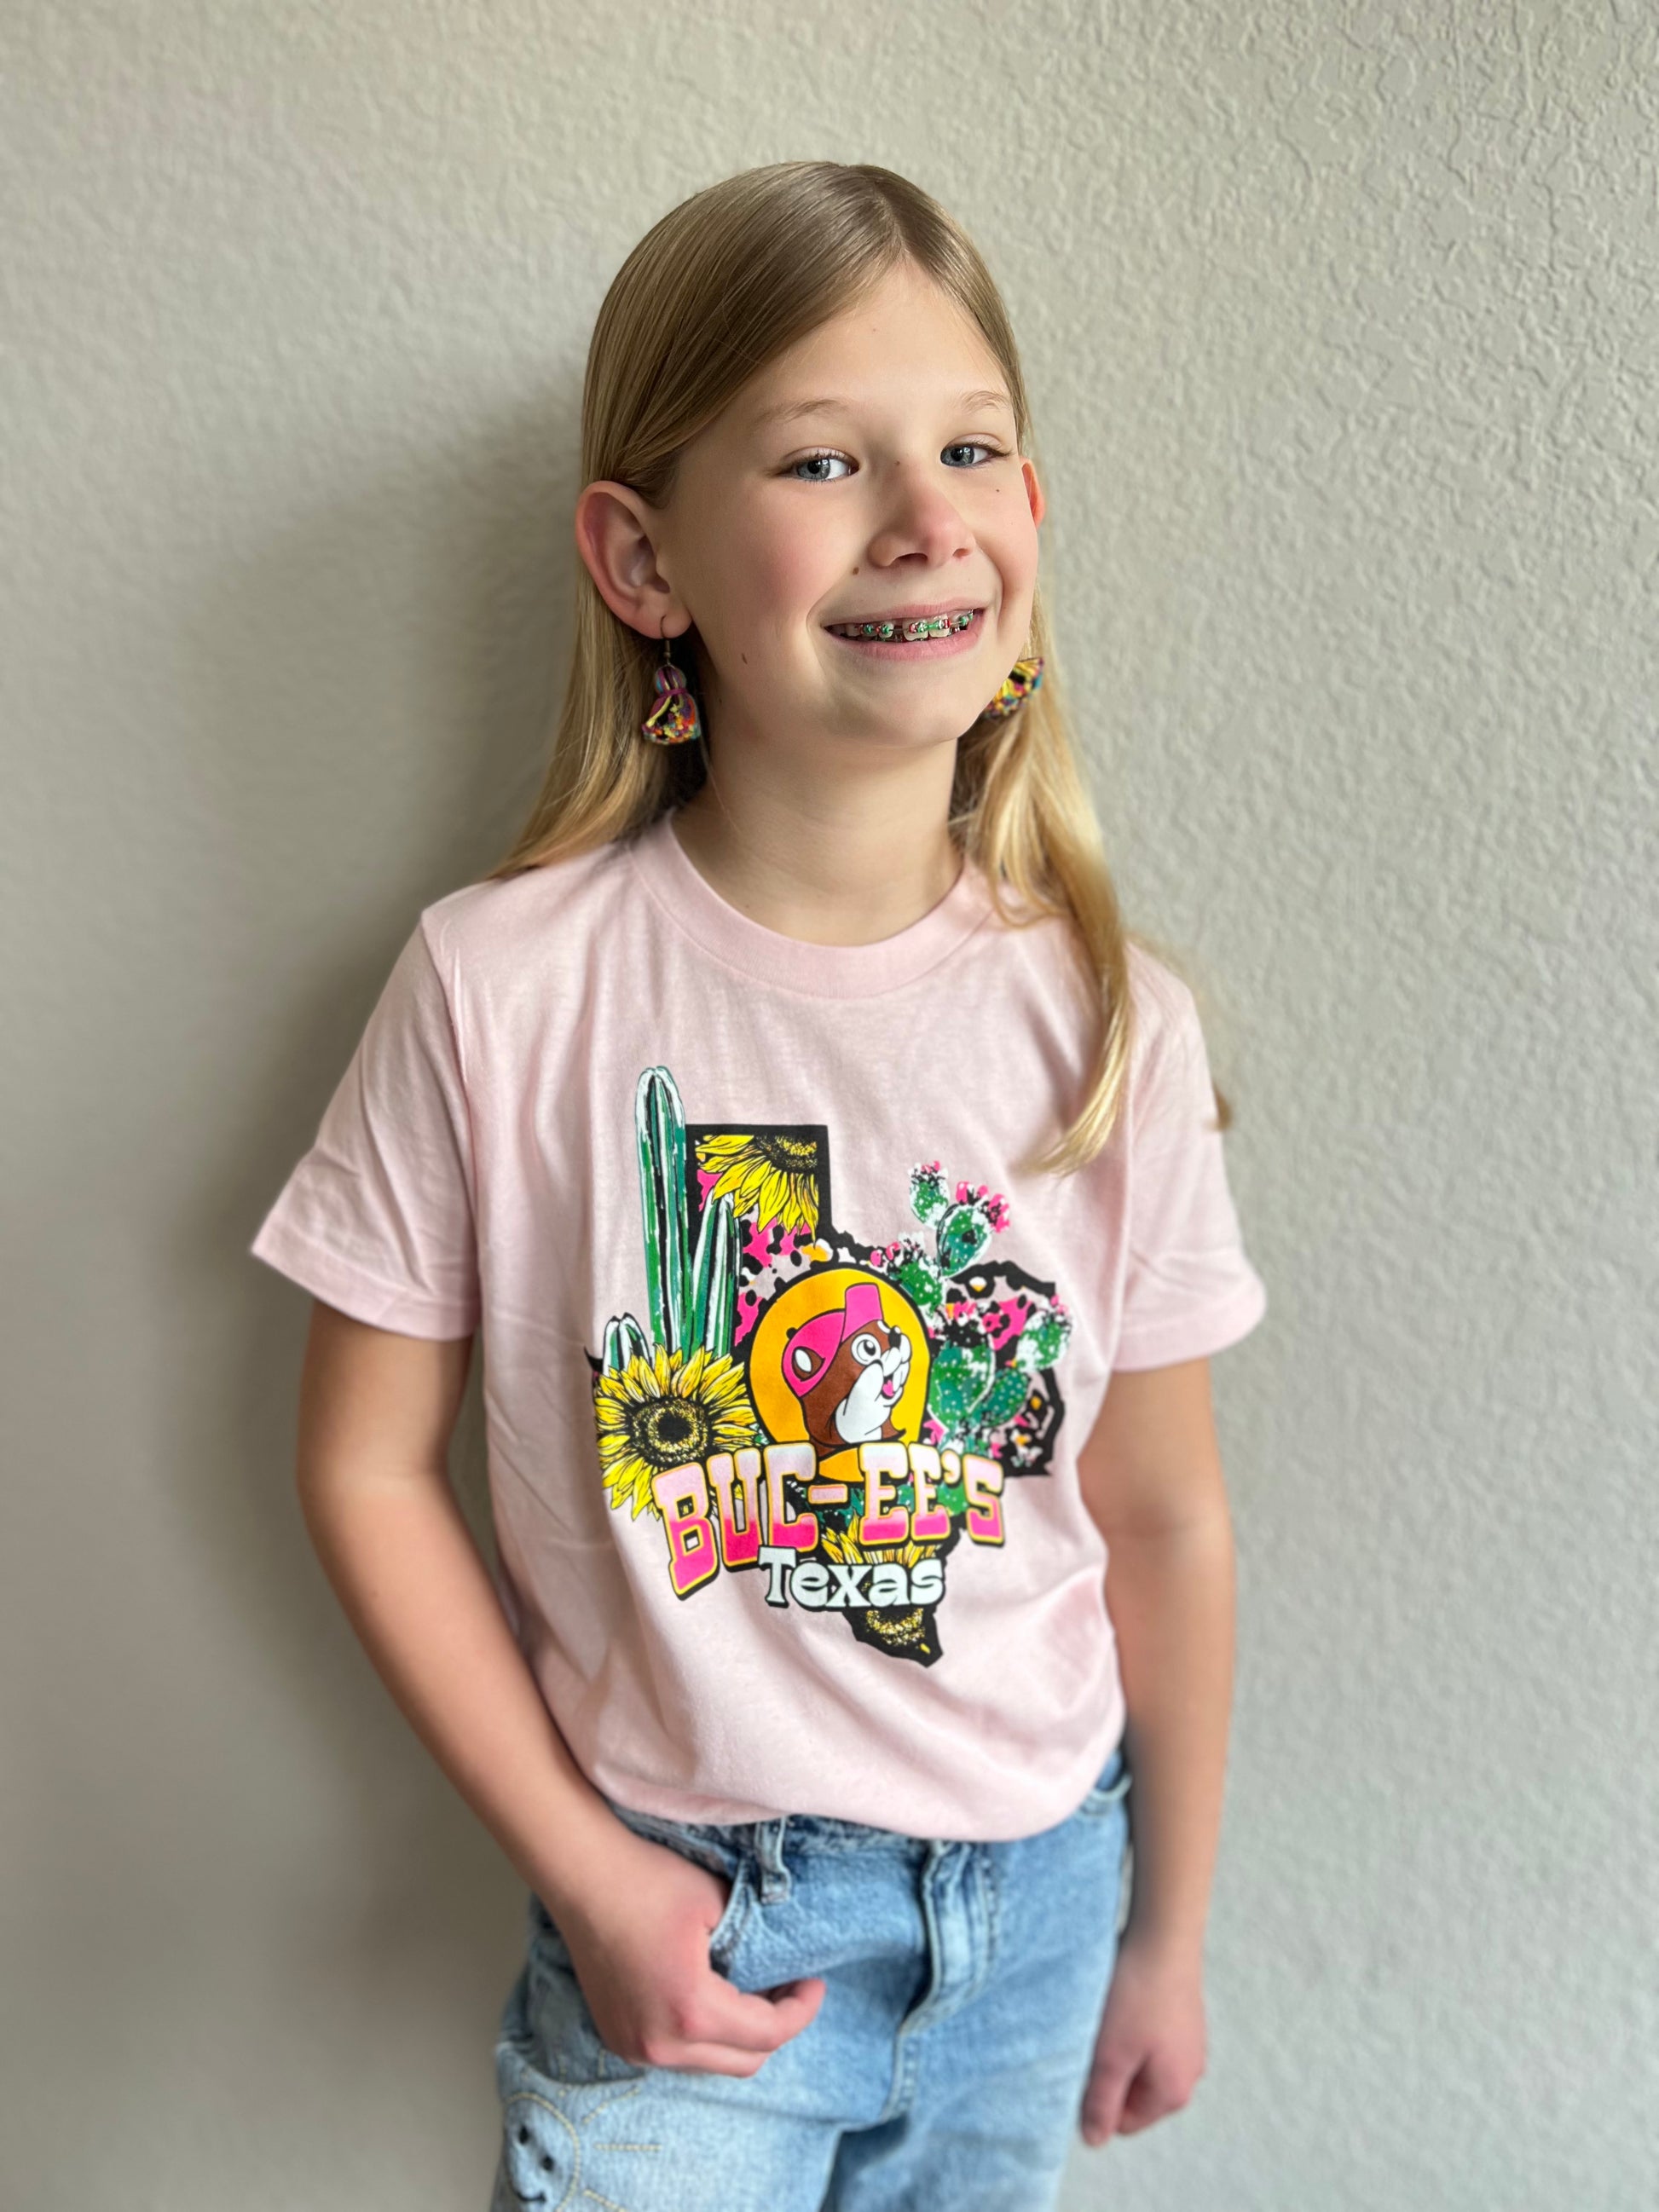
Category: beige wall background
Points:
column 1341, row 321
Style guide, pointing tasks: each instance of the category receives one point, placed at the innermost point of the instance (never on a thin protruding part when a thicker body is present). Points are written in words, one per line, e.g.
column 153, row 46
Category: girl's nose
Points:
column 919, row 517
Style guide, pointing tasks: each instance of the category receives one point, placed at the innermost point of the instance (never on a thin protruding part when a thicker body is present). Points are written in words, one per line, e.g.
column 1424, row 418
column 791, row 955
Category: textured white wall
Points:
column 1341, row 321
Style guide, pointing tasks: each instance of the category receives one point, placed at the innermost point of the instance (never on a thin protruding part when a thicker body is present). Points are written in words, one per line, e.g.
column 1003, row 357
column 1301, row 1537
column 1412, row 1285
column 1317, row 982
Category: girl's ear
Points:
column 1034, row 491
column 615, row 538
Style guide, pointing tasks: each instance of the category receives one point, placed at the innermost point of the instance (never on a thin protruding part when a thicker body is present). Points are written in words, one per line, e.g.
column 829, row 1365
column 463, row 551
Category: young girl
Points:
column 793, row 1115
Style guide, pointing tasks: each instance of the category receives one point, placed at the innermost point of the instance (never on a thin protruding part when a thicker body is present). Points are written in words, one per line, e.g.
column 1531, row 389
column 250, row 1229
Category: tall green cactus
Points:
column 625, row 1341
column 693, row 1297
column 660, row 1135
column 715, row 1276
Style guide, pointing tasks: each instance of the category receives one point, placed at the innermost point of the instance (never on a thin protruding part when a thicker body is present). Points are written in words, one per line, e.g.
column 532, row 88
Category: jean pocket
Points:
column 1110, row 1788
column 727, row 1932
column 724, row 1859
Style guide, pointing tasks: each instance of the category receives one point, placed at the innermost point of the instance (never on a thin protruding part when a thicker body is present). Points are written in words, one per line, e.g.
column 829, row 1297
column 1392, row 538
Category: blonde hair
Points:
column 720, row 286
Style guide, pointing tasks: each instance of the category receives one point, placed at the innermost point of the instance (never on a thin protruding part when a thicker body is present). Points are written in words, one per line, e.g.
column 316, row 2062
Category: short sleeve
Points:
column 1190, row 1289
column 377, row 1218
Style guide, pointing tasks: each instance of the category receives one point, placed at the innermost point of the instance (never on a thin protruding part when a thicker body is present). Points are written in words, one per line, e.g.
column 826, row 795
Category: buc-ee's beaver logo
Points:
column 830, row 1418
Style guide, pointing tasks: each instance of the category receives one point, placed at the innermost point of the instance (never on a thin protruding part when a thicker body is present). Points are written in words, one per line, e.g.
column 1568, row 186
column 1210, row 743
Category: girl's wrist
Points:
column 1179, row 1942
column 565, row 1868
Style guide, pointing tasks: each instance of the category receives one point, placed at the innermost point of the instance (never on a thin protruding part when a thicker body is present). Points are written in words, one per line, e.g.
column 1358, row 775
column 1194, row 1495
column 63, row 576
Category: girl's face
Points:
column 869, row 473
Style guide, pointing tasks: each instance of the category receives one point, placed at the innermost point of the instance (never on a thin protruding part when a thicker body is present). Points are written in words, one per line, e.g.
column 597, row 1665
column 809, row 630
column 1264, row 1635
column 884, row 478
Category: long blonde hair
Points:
column 720, row 286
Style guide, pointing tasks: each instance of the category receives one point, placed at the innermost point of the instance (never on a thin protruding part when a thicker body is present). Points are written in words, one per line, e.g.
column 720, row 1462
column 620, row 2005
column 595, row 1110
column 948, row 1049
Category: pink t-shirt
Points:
column 786, row 1367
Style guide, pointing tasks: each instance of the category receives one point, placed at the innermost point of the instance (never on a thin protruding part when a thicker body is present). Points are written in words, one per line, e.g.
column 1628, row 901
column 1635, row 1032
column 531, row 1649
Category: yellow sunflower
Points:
column 772, row 1175
column 908, row 1628
column 659, row 1413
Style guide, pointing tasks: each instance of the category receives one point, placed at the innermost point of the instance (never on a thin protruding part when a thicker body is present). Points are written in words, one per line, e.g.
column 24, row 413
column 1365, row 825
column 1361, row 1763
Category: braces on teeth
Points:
column 922, row 626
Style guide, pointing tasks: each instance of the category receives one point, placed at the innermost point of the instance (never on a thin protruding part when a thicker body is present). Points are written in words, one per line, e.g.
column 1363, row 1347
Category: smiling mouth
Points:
column 908, row 631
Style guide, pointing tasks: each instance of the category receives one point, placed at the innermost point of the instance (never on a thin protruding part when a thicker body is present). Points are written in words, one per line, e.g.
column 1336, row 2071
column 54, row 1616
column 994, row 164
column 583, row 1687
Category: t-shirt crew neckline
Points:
column 829, row 971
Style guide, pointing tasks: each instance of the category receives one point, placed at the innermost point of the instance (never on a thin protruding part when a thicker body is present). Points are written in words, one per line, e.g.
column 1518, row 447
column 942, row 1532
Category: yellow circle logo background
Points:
column 781, row 1414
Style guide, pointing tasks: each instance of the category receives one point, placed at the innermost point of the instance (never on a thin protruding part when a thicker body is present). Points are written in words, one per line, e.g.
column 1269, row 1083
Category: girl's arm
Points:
column 377, row 1409
column 1151, row 1477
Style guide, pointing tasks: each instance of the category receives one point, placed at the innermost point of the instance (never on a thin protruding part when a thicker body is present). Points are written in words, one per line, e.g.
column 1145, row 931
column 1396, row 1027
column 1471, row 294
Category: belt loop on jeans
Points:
column 768, row 1858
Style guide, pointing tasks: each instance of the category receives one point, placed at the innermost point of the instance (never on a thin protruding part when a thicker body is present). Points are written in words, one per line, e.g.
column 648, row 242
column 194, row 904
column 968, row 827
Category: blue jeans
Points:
column 943, row 2070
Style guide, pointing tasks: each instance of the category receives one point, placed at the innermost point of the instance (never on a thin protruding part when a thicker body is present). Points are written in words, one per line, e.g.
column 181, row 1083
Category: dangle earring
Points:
column 674, row 719
column 1016, row 688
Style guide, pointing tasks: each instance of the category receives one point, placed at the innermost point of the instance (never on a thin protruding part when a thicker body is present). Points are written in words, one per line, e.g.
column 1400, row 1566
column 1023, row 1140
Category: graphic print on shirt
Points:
column 830, row 1417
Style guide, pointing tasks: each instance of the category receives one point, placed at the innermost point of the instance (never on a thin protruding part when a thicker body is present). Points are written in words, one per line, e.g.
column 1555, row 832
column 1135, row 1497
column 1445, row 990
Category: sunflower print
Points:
column 770, row 1174
column 890, row 1628
column 660, row 1412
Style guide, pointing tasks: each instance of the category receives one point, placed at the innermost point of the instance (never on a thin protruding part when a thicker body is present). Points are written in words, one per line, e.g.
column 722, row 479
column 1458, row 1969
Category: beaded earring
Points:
column 1016, row 688
column 674, row 720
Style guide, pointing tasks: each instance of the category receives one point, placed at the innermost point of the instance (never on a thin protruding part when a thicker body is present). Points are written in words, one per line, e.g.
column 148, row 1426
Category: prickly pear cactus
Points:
column 964, row 1366
column 928, row 1196
column 1045, row 1335
column 916, row 1271
column 968, row 1225
column 982, row 1377
column 1006, row 1396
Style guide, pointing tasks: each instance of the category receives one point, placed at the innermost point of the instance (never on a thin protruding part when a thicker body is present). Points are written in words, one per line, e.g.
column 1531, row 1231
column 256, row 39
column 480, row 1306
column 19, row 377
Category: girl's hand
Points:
column 640, row 1946
column 1150, row 2051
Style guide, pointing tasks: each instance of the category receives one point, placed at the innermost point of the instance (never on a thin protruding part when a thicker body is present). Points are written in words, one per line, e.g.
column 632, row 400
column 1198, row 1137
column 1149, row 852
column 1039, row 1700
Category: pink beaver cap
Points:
column 822, row 1336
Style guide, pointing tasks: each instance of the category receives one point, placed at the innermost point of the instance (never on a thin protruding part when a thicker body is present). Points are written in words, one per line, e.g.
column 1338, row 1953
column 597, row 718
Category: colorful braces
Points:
column 907, row 632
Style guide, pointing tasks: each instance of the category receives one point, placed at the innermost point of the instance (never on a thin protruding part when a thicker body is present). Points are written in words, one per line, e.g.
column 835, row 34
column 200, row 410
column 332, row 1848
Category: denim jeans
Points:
column 943, row 2072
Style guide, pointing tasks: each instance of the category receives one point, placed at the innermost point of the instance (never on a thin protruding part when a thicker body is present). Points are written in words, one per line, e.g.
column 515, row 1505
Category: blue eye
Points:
column 810, row 461
column 961, row 446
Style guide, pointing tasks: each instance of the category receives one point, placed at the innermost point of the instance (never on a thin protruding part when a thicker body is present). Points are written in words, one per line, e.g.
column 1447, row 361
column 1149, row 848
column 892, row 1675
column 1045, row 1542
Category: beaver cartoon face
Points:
column 849, row 1399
